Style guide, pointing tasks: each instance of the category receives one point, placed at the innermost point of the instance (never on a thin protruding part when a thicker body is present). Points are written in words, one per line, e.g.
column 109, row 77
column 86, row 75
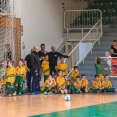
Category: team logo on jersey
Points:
column 55, row 55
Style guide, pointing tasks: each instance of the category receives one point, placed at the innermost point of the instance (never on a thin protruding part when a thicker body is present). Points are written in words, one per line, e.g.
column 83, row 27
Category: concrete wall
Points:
column 42, row 21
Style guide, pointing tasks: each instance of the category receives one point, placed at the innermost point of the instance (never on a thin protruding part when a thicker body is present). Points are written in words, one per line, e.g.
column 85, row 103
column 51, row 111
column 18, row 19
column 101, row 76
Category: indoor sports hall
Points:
column 58, row 58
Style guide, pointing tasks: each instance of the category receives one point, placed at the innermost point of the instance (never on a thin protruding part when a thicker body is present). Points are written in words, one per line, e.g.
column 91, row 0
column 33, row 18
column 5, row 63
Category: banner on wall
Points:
column 114, row 67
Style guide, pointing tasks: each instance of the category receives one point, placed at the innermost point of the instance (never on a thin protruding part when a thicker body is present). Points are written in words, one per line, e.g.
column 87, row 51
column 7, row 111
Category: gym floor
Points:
column 80, row 105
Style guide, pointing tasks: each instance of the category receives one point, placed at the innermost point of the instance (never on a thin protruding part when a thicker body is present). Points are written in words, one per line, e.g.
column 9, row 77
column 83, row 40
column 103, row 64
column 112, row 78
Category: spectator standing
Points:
column 42, row 52
column 35, row 69
column 114, row 49
column 53, row 57
column 29, row 73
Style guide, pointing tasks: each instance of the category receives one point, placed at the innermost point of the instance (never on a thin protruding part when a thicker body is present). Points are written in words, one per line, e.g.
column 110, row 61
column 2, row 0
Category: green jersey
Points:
column 98, row 69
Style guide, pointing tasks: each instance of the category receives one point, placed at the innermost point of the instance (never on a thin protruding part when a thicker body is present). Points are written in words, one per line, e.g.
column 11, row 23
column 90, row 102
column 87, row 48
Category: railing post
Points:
column 82, row 33
column 67, row 34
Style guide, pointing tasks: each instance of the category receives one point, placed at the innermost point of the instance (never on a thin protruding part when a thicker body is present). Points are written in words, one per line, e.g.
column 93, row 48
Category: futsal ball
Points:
column 67, row 97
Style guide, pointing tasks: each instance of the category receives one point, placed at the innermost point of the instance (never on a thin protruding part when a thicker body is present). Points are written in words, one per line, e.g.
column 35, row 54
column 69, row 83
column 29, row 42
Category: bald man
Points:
column 53, row 57
column 35, row 69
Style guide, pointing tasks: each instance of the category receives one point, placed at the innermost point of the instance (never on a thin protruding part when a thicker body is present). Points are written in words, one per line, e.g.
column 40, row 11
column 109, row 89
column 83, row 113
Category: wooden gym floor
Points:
column 80, row 105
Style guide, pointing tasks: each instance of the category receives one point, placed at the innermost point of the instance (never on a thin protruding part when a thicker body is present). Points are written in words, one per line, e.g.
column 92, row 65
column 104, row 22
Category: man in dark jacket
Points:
column 35, row 69
column 53, row 57
column 29, row 74
column 42, row 52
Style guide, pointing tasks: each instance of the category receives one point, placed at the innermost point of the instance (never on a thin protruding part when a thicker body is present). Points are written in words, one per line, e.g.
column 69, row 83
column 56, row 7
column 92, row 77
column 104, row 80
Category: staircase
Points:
column 98, row 51
column 78, row 21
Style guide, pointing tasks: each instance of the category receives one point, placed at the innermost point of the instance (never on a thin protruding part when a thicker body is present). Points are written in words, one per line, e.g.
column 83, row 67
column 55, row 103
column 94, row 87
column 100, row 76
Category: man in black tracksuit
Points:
column 53, row 57
column 35, row 69
column 42, row 53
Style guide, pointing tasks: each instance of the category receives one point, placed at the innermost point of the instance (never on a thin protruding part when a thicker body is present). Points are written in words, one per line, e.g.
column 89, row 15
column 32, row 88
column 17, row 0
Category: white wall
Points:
column 42, row 22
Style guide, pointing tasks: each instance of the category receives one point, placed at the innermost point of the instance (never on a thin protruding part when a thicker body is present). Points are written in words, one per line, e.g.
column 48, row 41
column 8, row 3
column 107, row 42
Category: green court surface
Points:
column 101, row 110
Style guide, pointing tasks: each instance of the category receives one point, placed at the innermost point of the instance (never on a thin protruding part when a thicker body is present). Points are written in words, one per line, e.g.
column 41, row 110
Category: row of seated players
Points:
column 16, row 76
column 79, row 85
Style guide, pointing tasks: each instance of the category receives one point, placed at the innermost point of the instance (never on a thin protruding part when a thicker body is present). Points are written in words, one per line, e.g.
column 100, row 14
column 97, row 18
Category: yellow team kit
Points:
column 45, row 67
column 10, row 74
column 63, row 67
column 60, row 83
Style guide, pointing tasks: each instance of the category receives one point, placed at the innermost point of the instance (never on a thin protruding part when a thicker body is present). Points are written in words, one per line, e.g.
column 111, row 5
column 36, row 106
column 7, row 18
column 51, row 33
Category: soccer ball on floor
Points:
column 67, row 97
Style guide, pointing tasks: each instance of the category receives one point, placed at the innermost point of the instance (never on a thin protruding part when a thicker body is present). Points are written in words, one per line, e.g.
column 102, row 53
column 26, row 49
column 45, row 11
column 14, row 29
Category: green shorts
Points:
column 19, row 80
column 9, row 84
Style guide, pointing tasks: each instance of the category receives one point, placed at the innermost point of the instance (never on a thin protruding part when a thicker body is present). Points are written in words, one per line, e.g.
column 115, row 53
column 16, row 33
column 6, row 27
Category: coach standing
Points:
column 29, row 74
column 53, row 57
column 35, row 68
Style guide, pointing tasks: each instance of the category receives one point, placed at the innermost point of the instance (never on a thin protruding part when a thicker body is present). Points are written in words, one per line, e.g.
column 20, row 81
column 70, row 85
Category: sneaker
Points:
column 45, row 93
column 9, row 95
column 14, row 93
column 20, row 93
column 34, row 93
column 37, row 92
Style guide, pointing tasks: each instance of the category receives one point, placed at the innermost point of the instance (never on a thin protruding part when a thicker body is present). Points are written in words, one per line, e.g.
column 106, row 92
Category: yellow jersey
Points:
column 26, row 70
column 96, row 84
column 60, row 81
column 25, row 67
column 74, row 74
column 77, row 85
column 84, row 83
column 63, row 67
column 107, row 84
column 45, row 84
column 45, row 67
column 20, row 71
column 49, row 83
column 10, row 74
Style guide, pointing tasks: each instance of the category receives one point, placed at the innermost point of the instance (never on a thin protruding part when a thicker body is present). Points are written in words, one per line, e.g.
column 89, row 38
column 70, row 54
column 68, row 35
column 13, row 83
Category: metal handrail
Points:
column 84, row 38
column 79, row 15
column 90, row 49
column 71, row 15
column 111, row 66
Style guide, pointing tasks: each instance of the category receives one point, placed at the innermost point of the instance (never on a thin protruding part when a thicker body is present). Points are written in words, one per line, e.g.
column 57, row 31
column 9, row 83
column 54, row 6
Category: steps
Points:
column 106, row 40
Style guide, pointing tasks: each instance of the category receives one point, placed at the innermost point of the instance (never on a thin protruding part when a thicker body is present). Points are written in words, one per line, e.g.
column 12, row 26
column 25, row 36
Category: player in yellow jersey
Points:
column 61, row 83
column 77, row 86
column 10, row 78
column 62, row 66
column 96, row 85
column 107, row 85
column 84, row 84
column 45, row 67
column 74, row 73
column 20, row 74
column 26, row 69
column 68, row 85
column 49, row 85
